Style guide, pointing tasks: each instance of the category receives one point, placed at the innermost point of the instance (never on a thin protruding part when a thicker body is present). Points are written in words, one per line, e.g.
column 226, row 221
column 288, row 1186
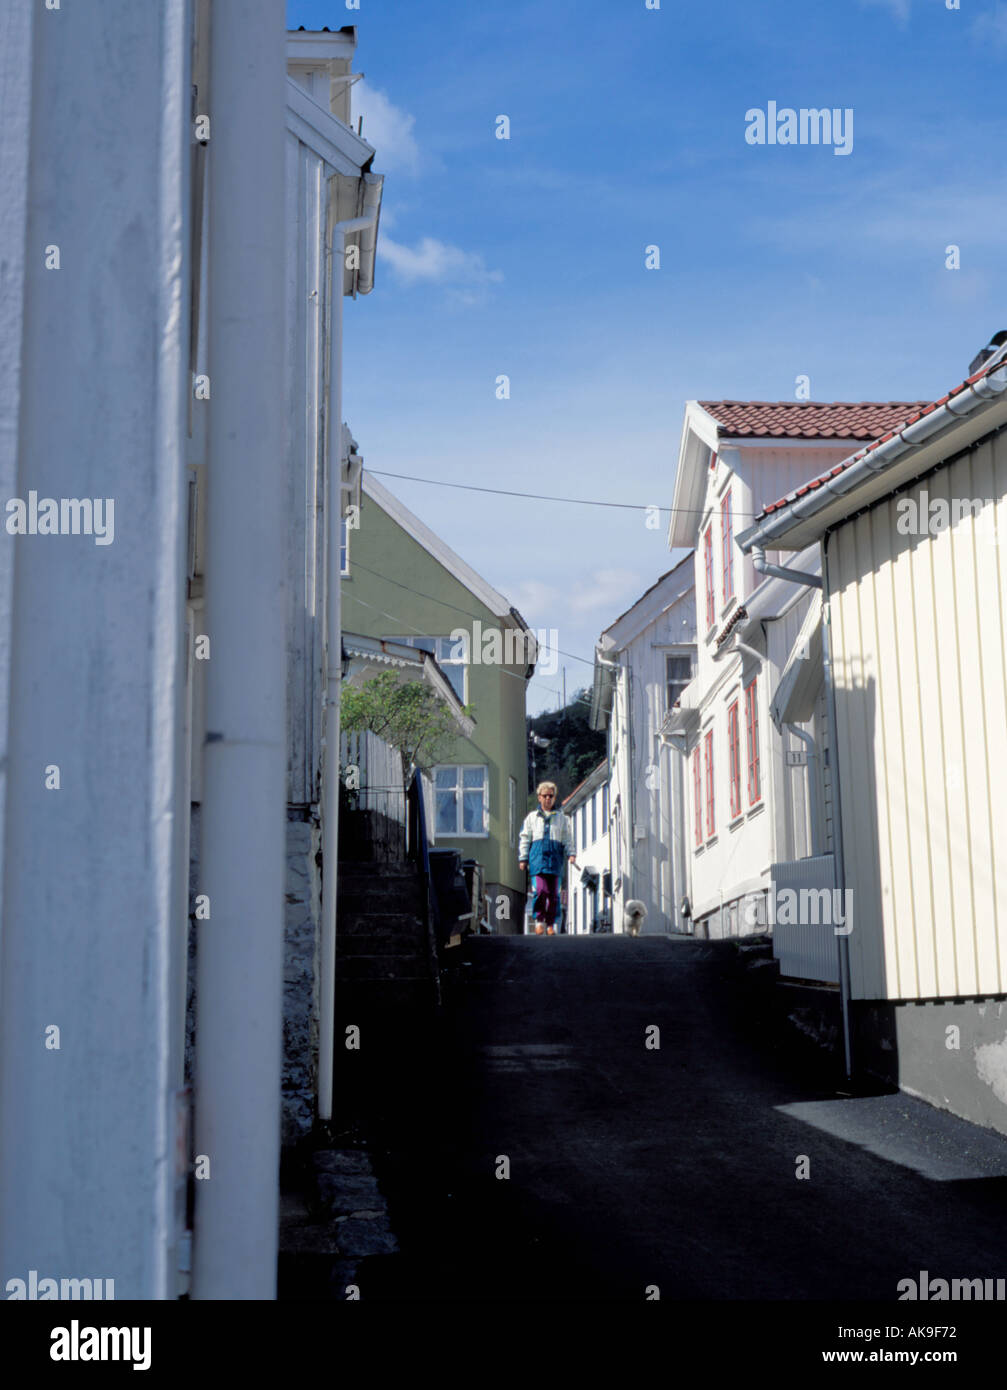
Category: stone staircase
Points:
column 385, row 959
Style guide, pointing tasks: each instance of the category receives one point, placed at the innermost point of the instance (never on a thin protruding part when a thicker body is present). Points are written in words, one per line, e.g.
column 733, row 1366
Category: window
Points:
column 604, row 808
column 512, row 811
column 344, row 547
column 594, row 817
column 734, row 756
column 583, row 825
column 449, row 656
column 727, row 545
column 697, row 795
column 752, row 725
column 461, row 800
column 710, row 822
column 708, row 563
column 678, row 672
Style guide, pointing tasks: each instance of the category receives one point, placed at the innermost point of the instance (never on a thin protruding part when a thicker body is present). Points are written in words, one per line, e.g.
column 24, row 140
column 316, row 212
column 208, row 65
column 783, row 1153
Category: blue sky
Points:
column 525, row 257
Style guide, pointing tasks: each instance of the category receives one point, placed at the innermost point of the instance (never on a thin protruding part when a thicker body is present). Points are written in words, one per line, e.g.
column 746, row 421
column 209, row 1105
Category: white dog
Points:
column 635, row 912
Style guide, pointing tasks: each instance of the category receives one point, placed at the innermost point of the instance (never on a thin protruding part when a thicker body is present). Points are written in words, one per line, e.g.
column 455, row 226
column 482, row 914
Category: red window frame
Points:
column 697, row 794
column 727, row 545
column 710, row 817
column 734, row 756
column 708, row 562
column 752, row 726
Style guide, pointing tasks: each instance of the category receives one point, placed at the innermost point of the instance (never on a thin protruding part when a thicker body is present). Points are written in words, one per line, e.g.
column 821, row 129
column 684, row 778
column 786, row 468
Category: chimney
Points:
column 993, row 346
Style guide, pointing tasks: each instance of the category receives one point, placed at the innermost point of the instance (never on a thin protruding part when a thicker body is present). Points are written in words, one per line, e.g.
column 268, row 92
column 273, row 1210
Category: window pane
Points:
column 472, row 776
column 445, row 776
column 450, row 649
column 446, row 820
column 472, row 812
column 456, row 677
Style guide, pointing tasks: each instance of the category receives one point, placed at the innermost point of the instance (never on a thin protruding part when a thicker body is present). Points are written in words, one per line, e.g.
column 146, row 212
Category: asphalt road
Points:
column 630, row 1167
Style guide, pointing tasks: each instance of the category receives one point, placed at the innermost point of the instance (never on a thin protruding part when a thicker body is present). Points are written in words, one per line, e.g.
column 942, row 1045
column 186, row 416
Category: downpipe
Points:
column 333, row 658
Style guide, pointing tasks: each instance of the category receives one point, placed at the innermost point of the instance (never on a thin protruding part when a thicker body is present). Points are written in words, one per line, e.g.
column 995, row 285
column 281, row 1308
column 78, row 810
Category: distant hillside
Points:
column 574, row 750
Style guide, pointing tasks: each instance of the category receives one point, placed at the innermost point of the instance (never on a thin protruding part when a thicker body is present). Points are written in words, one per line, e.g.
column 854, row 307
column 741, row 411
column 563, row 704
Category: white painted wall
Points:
column 593, row 851
column 94, row 880
column 734, row 861
column 646, row 790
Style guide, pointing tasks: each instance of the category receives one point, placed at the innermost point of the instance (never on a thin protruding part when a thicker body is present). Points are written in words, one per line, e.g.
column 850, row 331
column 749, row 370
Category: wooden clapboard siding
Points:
column 918, row 626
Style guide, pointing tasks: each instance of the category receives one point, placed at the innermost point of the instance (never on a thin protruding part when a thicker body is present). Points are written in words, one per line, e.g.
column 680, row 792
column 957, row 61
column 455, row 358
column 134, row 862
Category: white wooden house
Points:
column 754, row 789
column 910, row 531
column 642, row 662
column 587, row 808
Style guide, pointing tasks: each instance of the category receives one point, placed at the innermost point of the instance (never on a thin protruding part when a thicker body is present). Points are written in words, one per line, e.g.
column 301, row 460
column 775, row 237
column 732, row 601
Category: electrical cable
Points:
column 543, row 497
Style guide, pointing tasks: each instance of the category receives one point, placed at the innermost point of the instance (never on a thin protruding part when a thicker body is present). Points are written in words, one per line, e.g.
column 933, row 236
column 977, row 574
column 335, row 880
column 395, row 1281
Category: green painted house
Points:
column 401, row 582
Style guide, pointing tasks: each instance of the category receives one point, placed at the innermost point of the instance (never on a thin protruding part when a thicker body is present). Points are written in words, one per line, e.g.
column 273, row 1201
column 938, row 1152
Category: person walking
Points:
column 546, row 839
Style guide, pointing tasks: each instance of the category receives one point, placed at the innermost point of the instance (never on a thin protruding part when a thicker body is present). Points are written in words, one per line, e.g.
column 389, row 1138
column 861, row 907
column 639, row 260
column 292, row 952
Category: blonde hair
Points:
column 546, row 787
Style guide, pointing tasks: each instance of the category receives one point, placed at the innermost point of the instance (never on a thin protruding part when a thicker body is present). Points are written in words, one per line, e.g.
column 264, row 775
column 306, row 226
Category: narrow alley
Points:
column 624, row 1168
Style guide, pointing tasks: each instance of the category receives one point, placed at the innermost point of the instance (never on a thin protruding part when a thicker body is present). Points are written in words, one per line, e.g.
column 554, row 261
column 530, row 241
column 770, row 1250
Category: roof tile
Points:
column 912, row 411
column 807, row 419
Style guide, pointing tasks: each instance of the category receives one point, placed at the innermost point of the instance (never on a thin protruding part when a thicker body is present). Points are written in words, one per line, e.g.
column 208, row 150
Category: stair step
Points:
column 377, row 995
column 367, row 924
column 354, row 969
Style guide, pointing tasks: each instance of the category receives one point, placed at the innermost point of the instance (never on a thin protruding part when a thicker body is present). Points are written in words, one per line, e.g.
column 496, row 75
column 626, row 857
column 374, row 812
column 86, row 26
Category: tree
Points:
column 575, row 748
column 408, row 715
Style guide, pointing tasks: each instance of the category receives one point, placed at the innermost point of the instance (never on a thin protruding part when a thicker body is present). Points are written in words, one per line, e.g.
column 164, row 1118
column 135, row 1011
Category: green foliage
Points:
column 408, row 715
column 575, row 750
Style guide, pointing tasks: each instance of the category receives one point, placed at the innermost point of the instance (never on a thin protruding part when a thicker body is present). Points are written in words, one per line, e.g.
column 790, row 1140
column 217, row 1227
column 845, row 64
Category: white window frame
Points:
column 344, row 548
column 459, row 786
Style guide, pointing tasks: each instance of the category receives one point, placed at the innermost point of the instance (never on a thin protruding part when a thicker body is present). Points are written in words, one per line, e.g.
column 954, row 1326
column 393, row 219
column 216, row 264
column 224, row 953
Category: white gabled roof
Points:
column 435, row 547
column 699, row 434
column 665, row 592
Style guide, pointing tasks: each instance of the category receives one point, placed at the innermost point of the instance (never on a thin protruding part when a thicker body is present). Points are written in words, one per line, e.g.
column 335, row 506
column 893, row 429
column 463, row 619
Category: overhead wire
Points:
column 545, row 497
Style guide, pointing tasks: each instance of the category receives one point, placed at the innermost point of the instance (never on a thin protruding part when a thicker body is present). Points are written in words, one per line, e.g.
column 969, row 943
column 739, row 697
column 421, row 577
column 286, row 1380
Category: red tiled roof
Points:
column 913, row 413
column 736, row 617
column 808, row 419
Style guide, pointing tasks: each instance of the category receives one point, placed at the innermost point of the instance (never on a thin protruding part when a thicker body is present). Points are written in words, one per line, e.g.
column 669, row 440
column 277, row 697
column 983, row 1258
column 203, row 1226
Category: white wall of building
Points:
column 731, row 861
column 646, row 811
column 589, row 814
column 96, row 388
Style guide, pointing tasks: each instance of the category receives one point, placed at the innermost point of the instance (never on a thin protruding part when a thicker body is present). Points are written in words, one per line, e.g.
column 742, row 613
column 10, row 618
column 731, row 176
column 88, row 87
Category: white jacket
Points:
column 560, row 830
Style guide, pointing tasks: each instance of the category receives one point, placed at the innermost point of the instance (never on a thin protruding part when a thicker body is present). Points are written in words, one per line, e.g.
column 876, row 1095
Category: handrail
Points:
column 418, row 850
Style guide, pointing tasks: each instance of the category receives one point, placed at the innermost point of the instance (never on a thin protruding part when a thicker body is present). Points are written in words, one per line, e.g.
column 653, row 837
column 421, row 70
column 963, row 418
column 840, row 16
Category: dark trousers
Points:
column 546, row 905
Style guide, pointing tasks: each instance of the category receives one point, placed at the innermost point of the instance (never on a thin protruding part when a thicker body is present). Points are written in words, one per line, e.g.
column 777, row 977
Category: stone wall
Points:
column 301, row 960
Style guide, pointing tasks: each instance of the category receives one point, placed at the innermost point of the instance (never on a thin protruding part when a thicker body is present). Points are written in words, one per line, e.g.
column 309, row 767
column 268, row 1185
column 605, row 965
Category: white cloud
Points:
column 388, row 128
column 899, row 9
column 463, row 272
column 608, row 589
